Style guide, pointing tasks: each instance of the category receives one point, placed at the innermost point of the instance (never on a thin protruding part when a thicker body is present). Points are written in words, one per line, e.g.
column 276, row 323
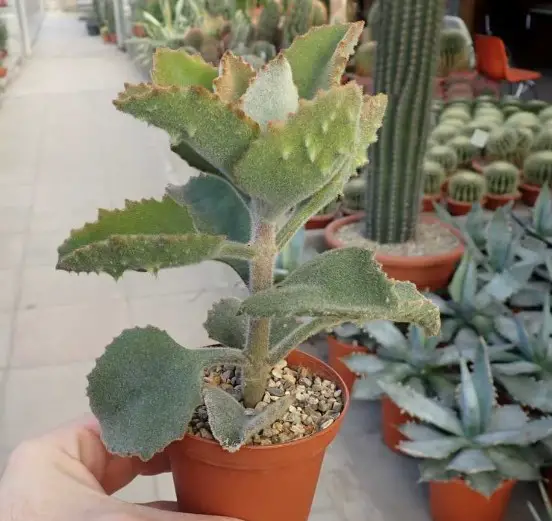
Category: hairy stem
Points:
column 255, row 375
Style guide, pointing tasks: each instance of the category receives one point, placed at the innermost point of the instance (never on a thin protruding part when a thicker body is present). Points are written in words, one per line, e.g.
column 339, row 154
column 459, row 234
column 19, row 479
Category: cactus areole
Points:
column 408, row 46
column 272, row 148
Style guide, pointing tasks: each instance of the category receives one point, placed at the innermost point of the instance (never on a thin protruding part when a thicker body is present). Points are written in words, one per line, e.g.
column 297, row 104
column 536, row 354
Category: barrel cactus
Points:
column 510, row 110
column 467, row 187
column 487, row 125
column 298, row 20
column 489, row 114
column 536, row 106
column 543, row 140
column 524, row 119
column 365, row 57
column 465, row 150
column 445, row 156
column 545, row 115
column 458, row 112
column 444, row 132
column 354, row 194
column 269, row 20
column 502, row 178
column 454, row 52
column 434, row 176
column 537, row 168
column 502, row 143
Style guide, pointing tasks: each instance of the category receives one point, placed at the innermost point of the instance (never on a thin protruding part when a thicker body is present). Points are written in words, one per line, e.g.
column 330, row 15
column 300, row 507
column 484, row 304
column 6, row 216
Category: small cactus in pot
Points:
column 443, row 132
column 537, row 171
column 465, row 150
column 465, row 188
column 444, row 155
column 434, row 177
column 502, row 184
column 524, row 119
column 453, row 53
column 543, row 140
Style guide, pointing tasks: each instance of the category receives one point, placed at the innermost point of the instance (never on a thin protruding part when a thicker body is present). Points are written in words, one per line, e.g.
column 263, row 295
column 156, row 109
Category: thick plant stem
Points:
column 255, row 375
column 406, row 62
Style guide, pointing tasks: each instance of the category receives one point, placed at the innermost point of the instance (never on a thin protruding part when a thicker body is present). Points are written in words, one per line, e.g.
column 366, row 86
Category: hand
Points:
column 69, row 476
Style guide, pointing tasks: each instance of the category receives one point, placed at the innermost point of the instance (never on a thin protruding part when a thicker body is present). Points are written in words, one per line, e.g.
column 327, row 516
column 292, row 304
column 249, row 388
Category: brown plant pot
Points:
column 317, row 222
column 211, row 481
column 455, row 501
column 3, row 53
column 139, row 31
column 112, row 38
column 431, row 272
column 3, row 72
column 391, row 420
column 457, row 208
column 338, row 350
column 529, row 193
column 495, row 201
column 427, row 202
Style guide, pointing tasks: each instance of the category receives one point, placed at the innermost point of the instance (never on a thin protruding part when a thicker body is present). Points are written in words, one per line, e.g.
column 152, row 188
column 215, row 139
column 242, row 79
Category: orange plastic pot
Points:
column 317, row 222
column 455, row 501
column 268, row 483
column 112, row 38
column 431, row 272
column 427, row 202
column 495, row 201
column 460, row 207
column 3, row 72
column 529, row 193
column 391, row 420
column 336, row 352
column 139, row 31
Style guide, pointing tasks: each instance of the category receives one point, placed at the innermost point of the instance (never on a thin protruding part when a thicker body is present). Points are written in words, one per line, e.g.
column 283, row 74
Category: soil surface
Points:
column 318, row 403
column 431, row 239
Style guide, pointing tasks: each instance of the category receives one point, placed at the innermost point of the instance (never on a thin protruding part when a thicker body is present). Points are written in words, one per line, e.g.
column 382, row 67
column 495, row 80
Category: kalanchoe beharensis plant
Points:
column 477, row 441
column 413, row 360
column 527, row 376
column 274, row 147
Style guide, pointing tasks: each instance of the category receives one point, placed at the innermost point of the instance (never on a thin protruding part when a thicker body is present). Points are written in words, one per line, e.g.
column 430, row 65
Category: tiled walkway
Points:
column 64, row 152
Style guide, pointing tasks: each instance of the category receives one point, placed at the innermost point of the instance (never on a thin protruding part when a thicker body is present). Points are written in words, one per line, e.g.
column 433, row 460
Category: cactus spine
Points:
column 467, row 186
column 537, row 168
column 434, row 175
column 502, row 178
column 297, row 21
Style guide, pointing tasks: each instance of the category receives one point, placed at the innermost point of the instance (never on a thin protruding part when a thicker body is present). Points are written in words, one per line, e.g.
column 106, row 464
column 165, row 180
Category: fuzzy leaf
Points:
column 234, row 78
column 194, row 116
column 148, row 234
column 145, row 388
column 348, row 284
column 471, row 461
column 299, row 158
column 180, row 69
column 231, row 424
column 423, row 408
column 433, row 449
column 271, row 95
column 319, row 57
column 371, row 119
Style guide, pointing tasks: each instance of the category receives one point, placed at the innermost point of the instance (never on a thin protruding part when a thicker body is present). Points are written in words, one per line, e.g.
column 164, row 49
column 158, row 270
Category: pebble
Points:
column 281, row 364
column 261, row 406
column 266, row 397
column 276, row 391
column 204, row 433
column 277, row 373
column 289, row 378
column 326, row 424
column 307, row 382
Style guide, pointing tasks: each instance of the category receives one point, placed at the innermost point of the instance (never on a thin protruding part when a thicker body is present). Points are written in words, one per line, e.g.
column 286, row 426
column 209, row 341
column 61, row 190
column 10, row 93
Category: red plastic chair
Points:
column 492, row 62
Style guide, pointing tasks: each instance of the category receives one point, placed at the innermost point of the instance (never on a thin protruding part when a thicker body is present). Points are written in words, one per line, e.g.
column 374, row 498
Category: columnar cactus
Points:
column 467, row 187
column 274, row 147
column 434, row 176
column 298, row 20
column 406, row 62
column 502, row 178
column 269, row 19
column 537, row 169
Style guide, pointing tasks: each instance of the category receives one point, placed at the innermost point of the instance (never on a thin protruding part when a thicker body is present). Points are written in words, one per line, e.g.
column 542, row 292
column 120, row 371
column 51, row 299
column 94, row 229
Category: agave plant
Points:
column 413, row 360
column 528, row 375
column 547, row 505
column 477, row 441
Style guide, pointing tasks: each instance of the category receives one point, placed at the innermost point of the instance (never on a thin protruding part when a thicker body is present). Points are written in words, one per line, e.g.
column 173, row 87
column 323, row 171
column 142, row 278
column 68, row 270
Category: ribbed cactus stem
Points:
column 405, row 67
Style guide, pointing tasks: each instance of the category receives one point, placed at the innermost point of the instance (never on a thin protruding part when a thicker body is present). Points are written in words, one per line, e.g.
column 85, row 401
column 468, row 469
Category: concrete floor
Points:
column 64, row 152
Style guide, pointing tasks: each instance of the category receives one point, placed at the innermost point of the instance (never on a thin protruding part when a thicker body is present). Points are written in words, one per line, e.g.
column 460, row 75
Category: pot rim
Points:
column 398, row 260
column 336, row 378
column 530, row 188
column 504, row 197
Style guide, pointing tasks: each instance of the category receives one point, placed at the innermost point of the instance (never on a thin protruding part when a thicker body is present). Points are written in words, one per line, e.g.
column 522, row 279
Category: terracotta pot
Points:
column 339, row 350
column 3, row 72
column 391, row 420
column 3, row 3
column 3, row 53
column 317, row 222
column 105, row 37
column 495, row 201
column 348, row 211
column 209, row 480
column 460, row 207
column 529, row 193
column 112, row 38
column 455, row 501
column 427, row 202
column 431, row 272
column 139, row 31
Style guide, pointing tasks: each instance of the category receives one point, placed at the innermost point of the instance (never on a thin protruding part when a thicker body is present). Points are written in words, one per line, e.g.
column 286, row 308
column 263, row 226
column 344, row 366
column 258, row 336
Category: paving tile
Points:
column 9, row 280
column 41, row 399
column 53, row 219
column 164, row 485
column 141, row 490
column 63, row 334
column 69, row 195
column 41, row 247
column 45, row 286
column 11, row 249
column 5, row 337
column 18, row 196
column 13, row 219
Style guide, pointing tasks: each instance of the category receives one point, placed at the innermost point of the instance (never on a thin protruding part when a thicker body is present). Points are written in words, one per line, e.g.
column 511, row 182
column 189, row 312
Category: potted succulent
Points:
column 3, row 39
column 464, row 189
column 502, row 184
column 434, row 177
column 537, row 170
column 473, row 453
column 414, row 360
column 3, row 70
column 267, row 167
column 409, row 245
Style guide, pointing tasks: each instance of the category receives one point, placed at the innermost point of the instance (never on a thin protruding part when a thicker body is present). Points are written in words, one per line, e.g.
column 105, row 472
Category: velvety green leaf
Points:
column 234, row 78
column 348, row 284
column 471, row 461
column 180, row 69
column 319, row 57
column 371, row 119
column 215, row 206
column 148, row 234
column 423, row 408
column 299, row 158
column 232, row 425
column 217, row 132
column 271, row 95
column 510, row 463
column 145, row 388
column 433, row 449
